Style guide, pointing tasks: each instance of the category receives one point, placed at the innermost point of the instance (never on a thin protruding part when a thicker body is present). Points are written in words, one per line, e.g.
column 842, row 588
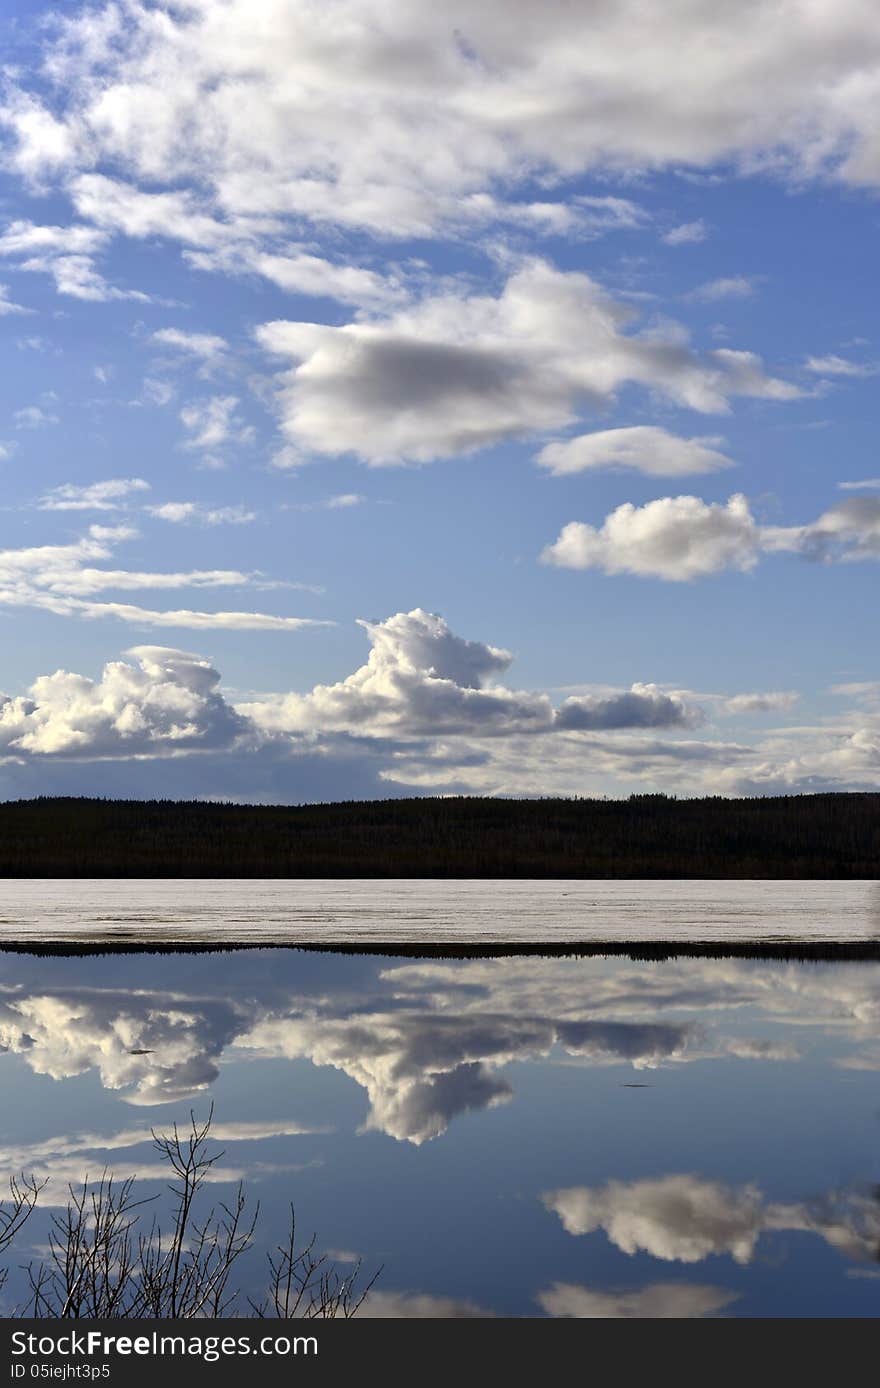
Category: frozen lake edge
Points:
column 435, row 913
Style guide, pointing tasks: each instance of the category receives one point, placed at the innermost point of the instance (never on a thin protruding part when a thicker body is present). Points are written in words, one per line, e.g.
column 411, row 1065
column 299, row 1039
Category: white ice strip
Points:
column 429, row 911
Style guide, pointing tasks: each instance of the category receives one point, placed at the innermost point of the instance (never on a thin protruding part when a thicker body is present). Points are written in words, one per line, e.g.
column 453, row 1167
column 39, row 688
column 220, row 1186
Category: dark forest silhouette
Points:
column 646, row 836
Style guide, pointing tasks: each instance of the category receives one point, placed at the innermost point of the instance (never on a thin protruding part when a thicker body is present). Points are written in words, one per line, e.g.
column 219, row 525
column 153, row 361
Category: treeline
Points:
column 820, row 836
column 783, row 951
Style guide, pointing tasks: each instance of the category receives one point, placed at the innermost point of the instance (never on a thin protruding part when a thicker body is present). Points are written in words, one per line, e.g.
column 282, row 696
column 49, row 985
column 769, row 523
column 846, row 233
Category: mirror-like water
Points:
column 520, row 1136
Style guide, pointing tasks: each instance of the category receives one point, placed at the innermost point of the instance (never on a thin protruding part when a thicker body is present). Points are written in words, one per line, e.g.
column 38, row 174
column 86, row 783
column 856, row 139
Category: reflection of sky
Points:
column 587, row 1137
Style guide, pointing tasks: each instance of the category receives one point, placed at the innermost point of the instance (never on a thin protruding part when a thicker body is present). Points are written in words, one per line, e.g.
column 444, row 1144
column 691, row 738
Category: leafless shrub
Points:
column 16, row 1210
column 106, row 1261
column 305, row 1286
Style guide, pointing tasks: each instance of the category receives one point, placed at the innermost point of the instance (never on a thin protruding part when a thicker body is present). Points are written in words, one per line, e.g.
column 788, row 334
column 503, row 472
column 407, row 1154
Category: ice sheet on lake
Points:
column 420, row 911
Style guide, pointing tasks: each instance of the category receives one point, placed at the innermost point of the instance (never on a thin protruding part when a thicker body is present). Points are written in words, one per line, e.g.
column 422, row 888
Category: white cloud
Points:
column 461, row 100
column 847, row 532
column 63, row 579
column 427, row 712
column 418, row 1306
column 840, row 366
column 7, row 306
column 96, row 496
column 193, row 620
column 661, row 1300
column 430, row 1040
column 687, row 233
column 645, row 448
column 675, row 538
column 157, row 391
column 454, row 374
column 687, row 1219
column 679, row 538
column 773, row 701
column 33, row 417
column 213, row 422
column 196, row 513
column 167, row 700
column 421, row 679
column 344, row 501
column 432, row 1058
column 52, row 1157
column 23, row 238
column 77, row 277
column 207, row 346
column 871, row 484
column 300, row 272
column 116, row 206
column 154, row 1048
column 733, row 287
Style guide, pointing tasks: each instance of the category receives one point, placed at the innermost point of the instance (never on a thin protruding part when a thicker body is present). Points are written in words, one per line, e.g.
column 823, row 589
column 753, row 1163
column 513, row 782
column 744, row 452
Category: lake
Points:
column 529, row 1134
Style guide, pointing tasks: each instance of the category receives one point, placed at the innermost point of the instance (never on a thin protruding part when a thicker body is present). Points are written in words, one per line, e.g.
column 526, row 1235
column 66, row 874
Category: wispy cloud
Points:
column 110, row 495
column 197, row 513
column 63, row 578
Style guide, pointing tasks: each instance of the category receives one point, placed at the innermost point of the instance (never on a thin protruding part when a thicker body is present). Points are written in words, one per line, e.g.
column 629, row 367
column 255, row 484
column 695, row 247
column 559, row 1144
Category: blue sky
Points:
column 538, row 340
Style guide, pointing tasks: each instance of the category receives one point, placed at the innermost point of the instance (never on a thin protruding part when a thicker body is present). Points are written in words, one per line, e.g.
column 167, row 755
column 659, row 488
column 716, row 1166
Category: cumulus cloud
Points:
column 645, row 448
column 680, row 538
column 422, row 679
column 427, row 712
column 167, row 699
column 420, row 1071
column 676, row 538
column 661, row 1300
column 687, row 1219
column 428, row 1041
column 453, row 374
column 461, row 101
column 849, row 531
column 152, row 1048
column 643, row 706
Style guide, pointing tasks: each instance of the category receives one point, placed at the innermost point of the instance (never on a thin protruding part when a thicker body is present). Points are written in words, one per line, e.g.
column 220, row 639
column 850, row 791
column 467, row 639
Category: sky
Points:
column 401, row 399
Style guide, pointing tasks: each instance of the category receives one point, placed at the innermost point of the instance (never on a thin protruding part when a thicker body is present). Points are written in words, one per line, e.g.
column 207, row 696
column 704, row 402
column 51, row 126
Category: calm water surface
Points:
column 526, row 1136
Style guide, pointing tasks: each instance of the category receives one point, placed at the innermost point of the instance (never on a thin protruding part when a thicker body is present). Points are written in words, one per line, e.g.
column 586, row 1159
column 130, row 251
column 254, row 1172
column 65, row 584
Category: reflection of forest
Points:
column 848, row 951
column 648, row 836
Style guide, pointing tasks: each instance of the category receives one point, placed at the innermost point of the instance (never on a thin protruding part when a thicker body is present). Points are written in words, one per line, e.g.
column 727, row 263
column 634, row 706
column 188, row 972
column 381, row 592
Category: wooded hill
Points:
column 832, row 836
